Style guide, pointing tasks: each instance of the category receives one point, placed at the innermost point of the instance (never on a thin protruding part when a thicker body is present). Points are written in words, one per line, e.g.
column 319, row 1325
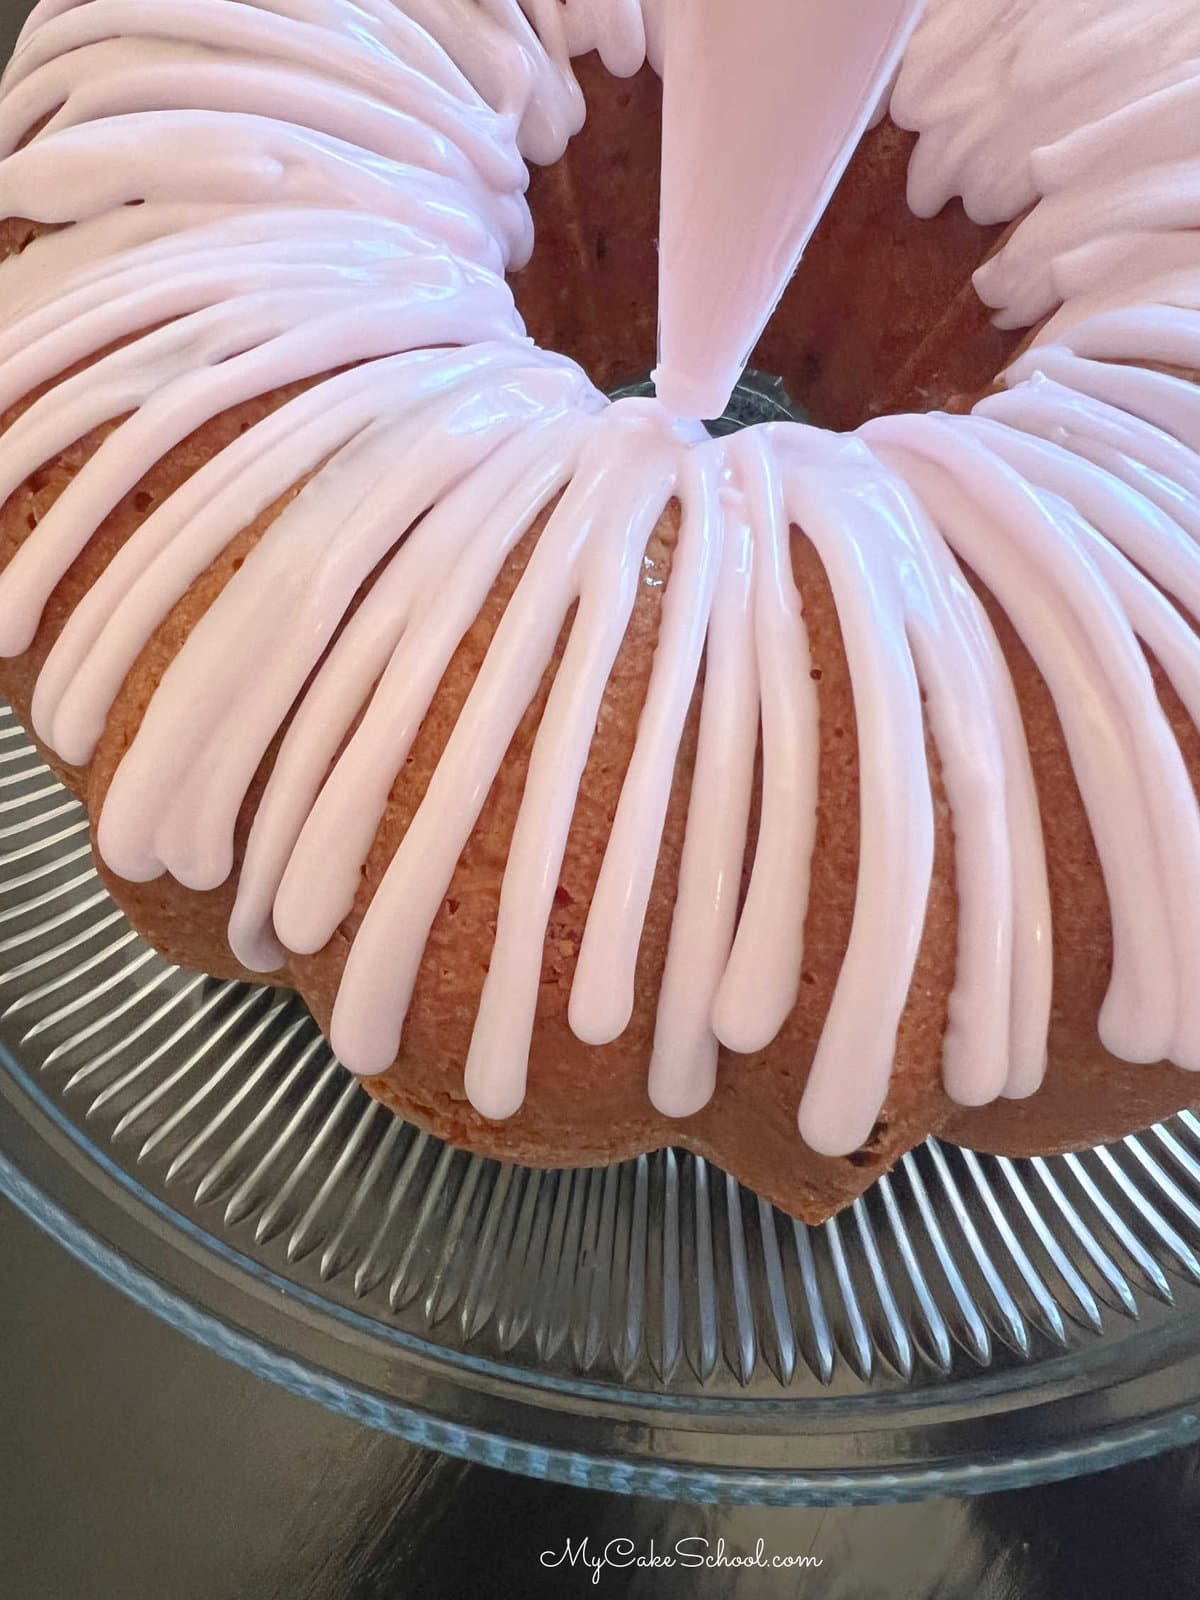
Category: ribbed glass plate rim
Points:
column 969, row 1465
column 911, row 1381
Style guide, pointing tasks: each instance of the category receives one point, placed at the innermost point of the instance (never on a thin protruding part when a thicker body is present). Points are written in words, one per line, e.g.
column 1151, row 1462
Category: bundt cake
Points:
column 600, row 782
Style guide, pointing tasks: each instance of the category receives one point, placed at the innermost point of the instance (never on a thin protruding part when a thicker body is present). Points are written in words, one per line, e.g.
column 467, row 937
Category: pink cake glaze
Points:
column 331, row 184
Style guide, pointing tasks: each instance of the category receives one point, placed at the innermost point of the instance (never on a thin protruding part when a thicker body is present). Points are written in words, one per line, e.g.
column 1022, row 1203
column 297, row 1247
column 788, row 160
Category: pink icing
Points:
column 338, row 184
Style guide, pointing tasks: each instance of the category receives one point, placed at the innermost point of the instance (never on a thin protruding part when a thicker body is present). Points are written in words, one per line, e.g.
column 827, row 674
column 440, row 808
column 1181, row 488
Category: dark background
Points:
column 136, row 1466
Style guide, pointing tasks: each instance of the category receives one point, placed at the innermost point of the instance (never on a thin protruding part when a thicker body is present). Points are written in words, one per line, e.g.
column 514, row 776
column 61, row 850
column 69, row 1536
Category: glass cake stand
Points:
column 971, row 1324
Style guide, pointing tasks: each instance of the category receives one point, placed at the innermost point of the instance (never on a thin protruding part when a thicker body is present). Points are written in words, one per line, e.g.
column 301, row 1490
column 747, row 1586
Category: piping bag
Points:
column 764, row 103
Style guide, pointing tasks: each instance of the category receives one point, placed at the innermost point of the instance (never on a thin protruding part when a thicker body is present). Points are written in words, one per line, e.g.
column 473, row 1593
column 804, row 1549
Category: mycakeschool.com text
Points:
column 693, row 1553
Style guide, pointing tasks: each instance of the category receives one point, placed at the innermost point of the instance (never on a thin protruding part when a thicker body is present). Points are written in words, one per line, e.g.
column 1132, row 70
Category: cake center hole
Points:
column 879, row 317
column 758, row 397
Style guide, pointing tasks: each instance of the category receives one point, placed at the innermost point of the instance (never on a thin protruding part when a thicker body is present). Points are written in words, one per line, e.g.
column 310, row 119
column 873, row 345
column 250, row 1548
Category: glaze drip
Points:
column 327, row 194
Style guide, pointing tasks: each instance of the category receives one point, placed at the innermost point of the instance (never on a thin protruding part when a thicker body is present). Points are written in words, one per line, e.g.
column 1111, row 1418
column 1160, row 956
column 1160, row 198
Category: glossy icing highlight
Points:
column 260, row 195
